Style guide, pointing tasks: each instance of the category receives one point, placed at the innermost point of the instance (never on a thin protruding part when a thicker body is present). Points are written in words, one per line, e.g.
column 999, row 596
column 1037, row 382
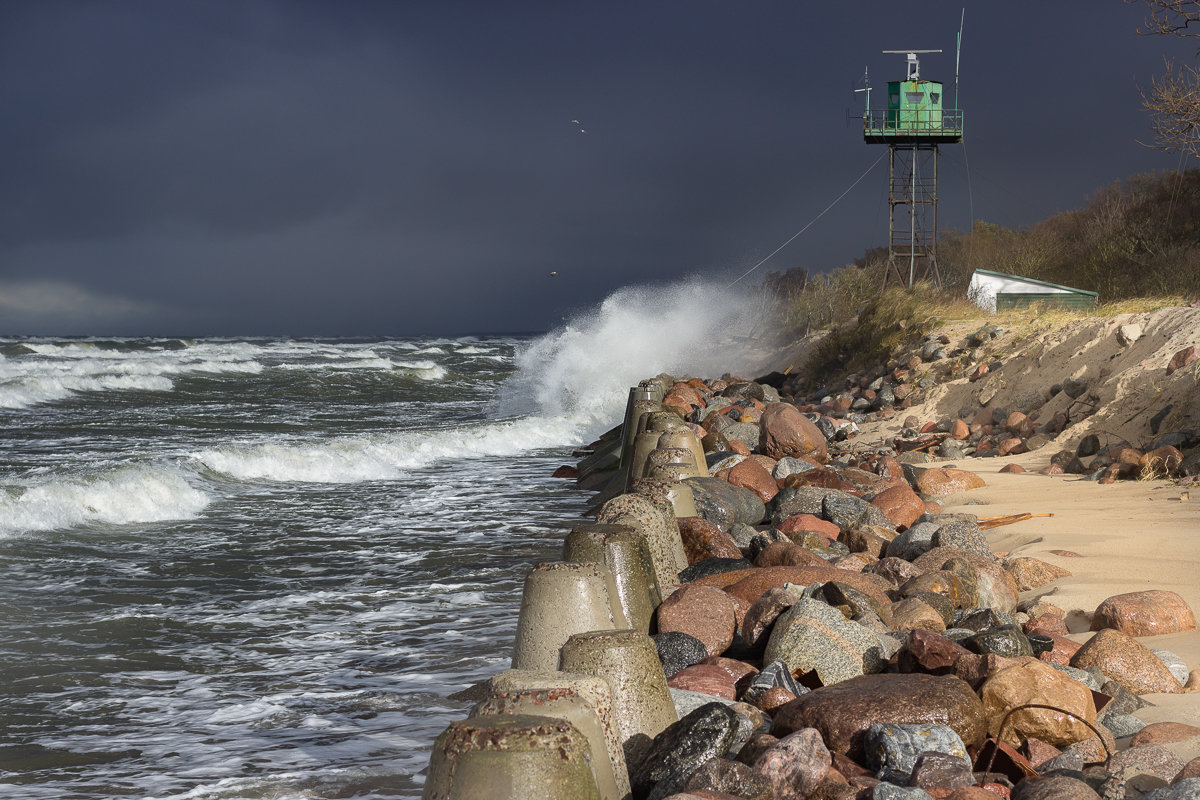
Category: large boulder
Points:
column 1035, row 682
column 842, row 713
column 704, row 612
column 812, row 636
column 724, row 504
column 786, row 432
column 1147, row 613
column 1127, row 661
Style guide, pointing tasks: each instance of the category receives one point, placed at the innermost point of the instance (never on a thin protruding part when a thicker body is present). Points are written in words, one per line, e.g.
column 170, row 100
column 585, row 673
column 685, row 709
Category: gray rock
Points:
column 1081, row 675
column 798, row 500
column 741, row 533
column 726, row 460
column 682, row 748
column 724, row 504
column 847, row 511
column 1007, row 641
column 979, row 620
column 913, row 542
column 791, row 466
column 1074, row 387
column 964, row 535
column 713, row 566
column 814, row 636
column 745, row 432
column 1122, row 724
column 1070, row 760
column 774, row 674
column 1177, row 666
column 1186, row 789
column 1123, row 701
column 890, row 791
column 678, row 650
column 892, row 750
column 951, row 449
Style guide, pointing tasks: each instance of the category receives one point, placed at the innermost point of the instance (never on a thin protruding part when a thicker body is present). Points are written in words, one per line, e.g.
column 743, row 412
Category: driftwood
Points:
column 987, row 523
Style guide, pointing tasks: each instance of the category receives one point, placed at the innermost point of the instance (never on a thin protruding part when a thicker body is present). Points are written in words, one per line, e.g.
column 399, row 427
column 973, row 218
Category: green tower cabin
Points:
column 914, row 123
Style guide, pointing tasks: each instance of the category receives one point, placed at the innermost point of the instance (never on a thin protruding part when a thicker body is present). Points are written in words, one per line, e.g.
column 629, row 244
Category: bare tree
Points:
column 1173, row 99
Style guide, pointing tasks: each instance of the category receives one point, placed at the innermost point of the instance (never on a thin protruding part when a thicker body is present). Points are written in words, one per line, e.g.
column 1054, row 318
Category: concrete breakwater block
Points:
column 560, row 599
column 628, row 660
column 678, row 493
column 625, row 553
column 562, row 704
column 593, row 690
column 514, row 757
column 657, row 522
column 642, row 399
column 683, row 437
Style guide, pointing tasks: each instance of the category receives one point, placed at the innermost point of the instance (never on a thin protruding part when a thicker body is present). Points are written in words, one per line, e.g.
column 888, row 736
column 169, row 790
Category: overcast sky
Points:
column 305, row 167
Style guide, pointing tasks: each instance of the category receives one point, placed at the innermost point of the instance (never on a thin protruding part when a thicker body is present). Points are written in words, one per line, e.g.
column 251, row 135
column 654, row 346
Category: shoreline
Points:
column 1113, row 538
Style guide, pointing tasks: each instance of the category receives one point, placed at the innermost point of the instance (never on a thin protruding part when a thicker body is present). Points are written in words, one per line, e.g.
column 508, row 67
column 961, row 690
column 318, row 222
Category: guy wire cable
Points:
column 810, row 224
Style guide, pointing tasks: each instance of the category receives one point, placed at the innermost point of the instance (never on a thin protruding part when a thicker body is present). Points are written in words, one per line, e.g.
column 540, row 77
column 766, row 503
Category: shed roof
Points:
column 1036, row 282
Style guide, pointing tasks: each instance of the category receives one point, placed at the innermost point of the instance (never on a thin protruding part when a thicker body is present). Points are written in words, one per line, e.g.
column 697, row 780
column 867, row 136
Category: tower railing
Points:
column 885, row 122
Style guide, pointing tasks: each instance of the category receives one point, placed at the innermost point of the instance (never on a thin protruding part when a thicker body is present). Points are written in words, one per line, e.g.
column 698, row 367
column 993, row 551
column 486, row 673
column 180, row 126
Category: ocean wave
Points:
column 36, row 379
column 585, row 368
column 425, row 370
column 383, row 456
column 119, row 496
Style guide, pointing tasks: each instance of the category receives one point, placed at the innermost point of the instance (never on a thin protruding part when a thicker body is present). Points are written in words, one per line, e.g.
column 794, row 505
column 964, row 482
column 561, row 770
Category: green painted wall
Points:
column 1006, row 301
column 914, row 105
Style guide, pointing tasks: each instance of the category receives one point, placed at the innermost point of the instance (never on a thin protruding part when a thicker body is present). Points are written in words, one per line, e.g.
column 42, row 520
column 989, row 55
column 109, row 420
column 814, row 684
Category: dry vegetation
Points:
column 1137, row 243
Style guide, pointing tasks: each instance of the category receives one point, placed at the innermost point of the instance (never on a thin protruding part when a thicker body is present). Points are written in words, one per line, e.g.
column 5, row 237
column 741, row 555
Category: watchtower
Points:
column 914, row 123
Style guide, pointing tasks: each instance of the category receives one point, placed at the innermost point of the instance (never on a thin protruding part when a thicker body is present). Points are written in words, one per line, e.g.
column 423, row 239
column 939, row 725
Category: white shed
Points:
column 992, row 290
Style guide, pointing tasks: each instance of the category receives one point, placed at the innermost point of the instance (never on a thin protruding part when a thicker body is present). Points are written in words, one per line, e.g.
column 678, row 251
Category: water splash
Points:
column 584, row 369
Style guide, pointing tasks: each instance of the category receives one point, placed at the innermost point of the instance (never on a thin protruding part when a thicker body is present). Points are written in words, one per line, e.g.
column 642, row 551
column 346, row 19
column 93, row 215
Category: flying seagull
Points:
column 580, row 124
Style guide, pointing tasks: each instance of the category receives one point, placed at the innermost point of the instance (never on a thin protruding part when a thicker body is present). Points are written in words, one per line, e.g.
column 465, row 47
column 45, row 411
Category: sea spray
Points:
column 583, row 369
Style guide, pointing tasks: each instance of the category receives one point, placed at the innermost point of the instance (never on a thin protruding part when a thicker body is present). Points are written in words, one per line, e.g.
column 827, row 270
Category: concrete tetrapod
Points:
column 511, row 757
column 559, row 599
column 563, row 704
column 593, row 691
column 680, row 494
column 623, row 551
column 684, row 437
column 628, row 660
column 658, row 525
column 642, row 399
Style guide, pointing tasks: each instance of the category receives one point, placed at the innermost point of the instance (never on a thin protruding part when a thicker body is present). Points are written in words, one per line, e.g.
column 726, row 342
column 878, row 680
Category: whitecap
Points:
column 119, row 496
column 383, row 456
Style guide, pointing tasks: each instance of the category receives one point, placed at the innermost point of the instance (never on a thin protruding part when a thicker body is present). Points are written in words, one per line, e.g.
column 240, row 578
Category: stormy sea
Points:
column 256, row 568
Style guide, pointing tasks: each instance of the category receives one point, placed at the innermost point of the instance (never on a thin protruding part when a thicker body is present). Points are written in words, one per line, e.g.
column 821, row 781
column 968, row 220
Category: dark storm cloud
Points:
column 362, row 167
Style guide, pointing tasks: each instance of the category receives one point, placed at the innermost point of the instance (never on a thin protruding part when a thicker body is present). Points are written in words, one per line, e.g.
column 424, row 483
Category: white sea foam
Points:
column 585, row 368
column 425, row 370
column 383, row 456
column 58, row 371
column 118, row 496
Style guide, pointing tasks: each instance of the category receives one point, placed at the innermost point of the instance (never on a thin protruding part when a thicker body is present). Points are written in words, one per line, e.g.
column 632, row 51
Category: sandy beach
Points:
column 1129, row 536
